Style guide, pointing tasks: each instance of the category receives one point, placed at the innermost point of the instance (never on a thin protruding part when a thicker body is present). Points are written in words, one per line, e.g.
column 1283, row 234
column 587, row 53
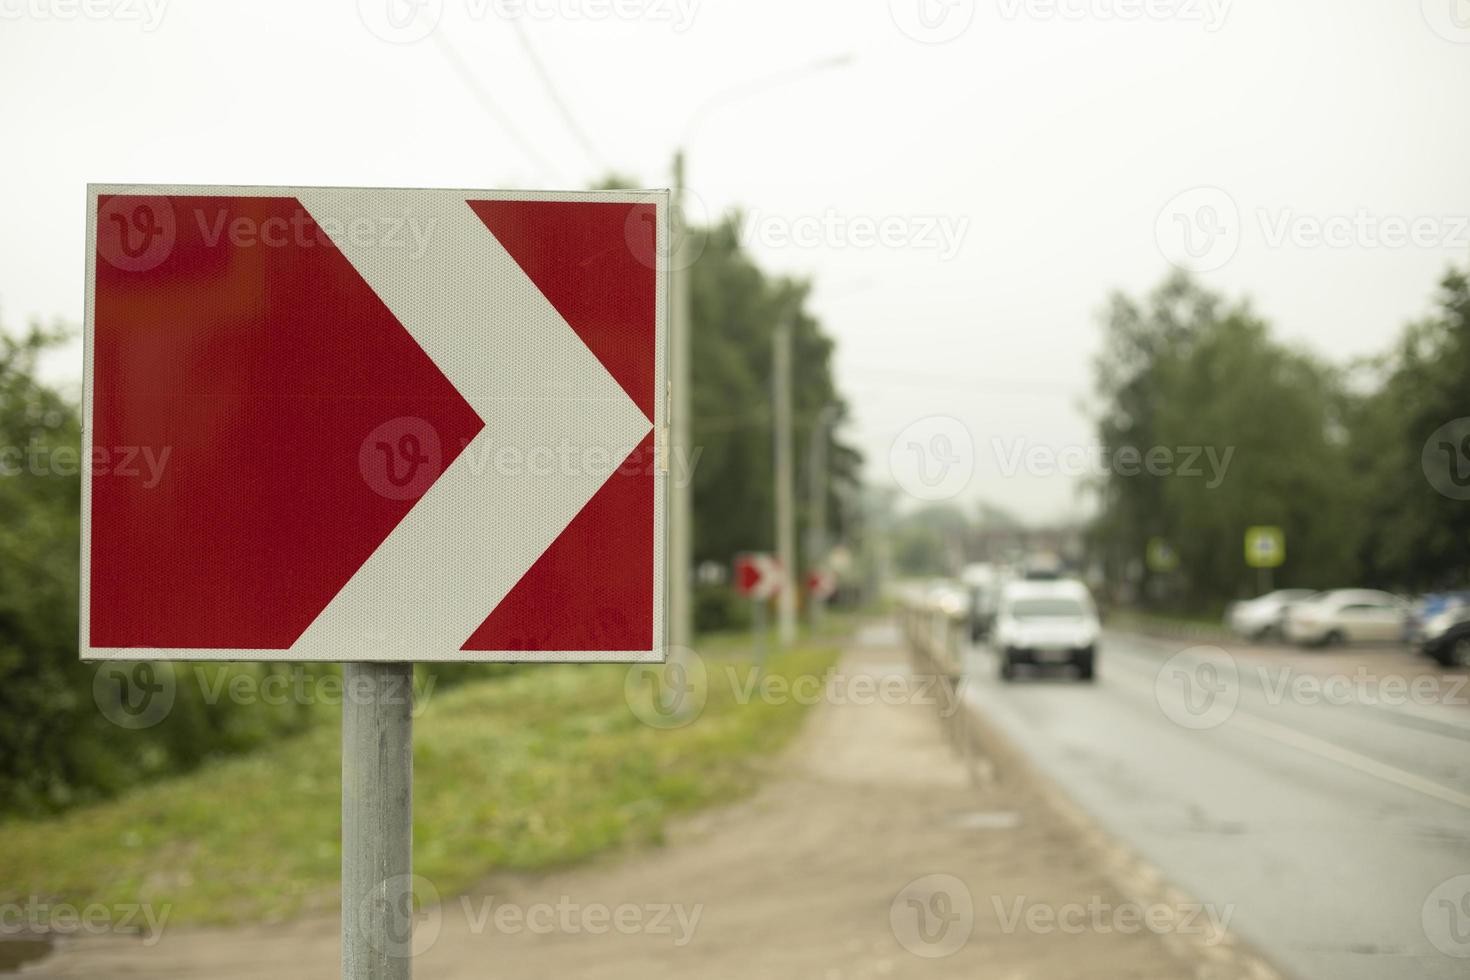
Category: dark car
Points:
column 1446, row 637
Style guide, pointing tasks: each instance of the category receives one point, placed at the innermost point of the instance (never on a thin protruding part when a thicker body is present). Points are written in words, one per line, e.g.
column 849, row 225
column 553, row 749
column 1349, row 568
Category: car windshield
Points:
column 1057, row 608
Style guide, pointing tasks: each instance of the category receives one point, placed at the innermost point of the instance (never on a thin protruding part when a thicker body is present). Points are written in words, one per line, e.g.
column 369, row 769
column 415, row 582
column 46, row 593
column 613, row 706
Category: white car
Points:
column 1347, row 616
column 983, row 583
column 1259, row 618
column 1046, row 623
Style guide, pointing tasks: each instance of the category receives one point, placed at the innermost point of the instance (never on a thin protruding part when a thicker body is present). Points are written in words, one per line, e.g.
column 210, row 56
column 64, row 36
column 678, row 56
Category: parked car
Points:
column 1262, row 617
column 1347, row 616
column 1430, row 606
column 1446, row 637
column 1052, row 622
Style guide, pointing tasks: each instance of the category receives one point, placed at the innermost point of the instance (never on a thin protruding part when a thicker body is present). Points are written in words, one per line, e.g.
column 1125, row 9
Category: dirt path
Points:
column 870, row 854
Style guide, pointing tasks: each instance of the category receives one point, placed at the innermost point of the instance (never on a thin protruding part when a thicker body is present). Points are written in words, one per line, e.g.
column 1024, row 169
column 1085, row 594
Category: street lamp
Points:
column 681, row 514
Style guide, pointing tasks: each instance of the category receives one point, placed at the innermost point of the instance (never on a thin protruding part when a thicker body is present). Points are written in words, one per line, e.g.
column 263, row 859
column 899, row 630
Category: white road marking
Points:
column 1301, row 741
column 1353, row 760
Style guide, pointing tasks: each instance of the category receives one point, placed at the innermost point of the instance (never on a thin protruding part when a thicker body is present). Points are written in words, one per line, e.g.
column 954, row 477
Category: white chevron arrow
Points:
column 544, row 398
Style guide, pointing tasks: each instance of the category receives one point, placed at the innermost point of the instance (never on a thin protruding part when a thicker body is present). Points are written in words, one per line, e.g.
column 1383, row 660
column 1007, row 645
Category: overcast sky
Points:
column 964, row 193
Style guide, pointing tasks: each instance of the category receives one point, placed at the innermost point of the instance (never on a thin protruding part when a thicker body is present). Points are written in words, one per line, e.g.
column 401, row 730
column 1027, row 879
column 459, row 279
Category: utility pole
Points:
column 785, row 502
column 681, row 522
column 816, row 548
column 681, row 514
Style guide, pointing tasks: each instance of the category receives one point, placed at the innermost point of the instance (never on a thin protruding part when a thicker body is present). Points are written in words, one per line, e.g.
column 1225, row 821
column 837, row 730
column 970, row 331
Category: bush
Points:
column 717, row 608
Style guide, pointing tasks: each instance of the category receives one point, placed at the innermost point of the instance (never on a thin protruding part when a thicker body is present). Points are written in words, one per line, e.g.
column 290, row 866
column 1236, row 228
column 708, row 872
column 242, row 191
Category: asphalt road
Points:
column 1325, row 796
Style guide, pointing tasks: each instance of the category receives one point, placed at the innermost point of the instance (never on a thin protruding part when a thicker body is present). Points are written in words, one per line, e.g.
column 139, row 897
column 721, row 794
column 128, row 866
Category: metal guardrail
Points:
column 934, row 633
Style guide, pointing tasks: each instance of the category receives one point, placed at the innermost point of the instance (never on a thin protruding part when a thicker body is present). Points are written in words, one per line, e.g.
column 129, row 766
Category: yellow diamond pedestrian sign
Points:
column 1265, row 547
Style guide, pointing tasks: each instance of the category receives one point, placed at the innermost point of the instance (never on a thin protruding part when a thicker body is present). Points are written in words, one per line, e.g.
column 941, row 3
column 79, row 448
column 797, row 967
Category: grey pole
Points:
column 785, row 474
column 377, row 821
column 681, row 519
column 817, row 505
column 681, row 523
column 762, row 635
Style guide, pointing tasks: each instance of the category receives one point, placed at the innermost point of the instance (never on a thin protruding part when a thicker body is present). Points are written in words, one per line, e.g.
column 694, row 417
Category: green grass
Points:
column 1142, row 618
column 544, row 767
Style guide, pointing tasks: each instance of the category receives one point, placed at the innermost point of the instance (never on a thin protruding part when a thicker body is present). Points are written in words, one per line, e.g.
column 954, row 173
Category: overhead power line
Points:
column 555, row 96
column 492, row 108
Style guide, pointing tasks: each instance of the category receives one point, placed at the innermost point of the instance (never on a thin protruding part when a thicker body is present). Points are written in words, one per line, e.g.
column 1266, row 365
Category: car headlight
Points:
column 1436, row 626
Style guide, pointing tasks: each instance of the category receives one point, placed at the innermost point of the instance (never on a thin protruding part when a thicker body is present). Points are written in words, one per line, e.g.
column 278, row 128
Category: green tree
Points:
column 1413, row 536
column 42, row 680
column 735, row 309
column 1184, row 369
column 931, row 540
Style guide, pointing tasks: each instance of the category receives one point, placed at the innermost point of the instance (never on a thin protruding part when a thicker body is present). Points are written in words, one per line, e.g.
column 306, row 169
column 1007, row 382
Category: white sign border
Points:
column 656, row 654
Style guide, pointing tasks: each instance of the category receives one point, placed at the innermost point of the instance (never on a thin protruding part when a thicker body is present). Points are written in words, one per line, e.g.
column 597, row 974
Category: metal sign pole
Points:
column 762, row 634
column 377, row 821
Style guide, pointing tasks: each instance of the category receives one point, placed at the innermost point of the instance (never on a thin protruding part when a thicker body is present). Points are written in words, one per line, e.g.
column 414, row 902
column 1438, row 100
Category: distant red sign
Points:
column 821, row 583
column 757, row 575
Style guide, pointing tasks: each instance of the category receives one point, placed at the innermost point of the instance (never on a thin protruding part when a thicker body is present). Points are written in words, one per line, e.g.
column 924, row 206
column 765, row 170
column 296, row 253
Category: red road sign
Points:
column 821, row 583
column 384, row 424
column 757, row 575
